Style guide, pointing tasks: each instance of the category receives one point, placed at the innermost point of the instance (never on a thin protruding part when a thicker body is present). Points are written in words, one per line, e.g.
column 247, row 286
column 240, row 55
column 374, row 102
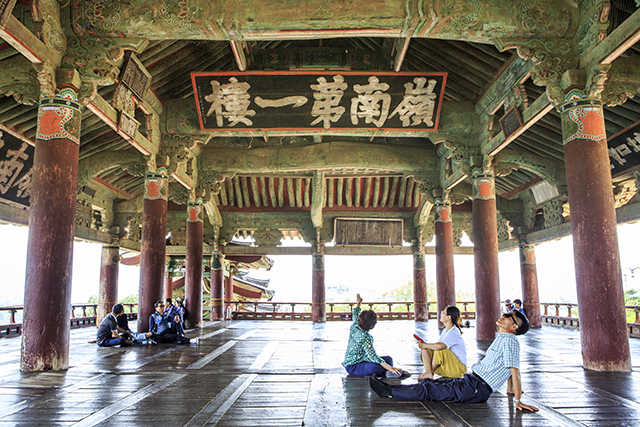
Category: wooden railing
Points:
column 336, row 310
column 554, row 314
column 82, row 315
column 566, row 315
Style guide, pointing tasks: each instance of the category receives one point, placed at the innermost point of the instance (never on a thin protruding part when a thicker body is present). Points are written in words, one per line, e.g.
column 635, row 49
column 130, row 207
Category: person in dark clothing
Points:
column 164, row 330
column 135, row 337
column 108, row 334
column 172, row 315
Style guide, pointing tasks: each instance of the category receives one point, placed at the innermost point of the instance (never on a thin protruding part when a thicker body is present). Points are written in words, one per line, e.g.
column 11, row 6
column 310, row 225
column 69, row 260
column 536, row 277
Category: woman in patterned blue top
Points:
column 361, row 358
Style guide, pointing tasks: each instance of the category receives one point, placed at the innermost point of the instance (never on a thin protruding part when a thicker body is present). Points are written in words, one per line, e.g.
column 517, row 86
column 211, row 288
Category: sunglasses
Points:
column 513, row 318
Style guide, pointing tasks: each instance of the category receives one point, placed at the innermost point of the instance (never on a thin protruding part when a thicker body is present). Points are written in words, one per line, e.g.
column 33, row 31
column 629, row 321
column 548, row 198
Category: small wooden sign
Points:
column 368, row 231
column 128, row 125
column 624, row 151
column 511, row 122
column 134, row 75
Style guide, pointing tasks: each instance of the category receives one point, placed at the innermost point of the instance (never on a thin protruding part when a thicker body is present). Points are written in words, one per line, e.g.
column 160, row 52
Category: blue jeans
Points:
column 363, row 369
column 113, row 342
column 470, row 389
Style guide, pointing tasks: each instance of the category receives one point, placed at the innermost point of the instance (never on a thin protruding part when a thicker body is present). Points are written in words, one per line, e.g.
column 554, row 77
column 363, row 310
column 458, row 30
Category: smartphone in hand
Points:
column 418, row 338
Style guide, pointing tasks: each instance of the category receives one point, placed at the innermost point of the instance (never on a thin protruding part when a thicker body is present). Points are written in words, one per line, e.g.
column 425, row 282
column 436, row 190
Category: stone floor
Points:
column 269, row 373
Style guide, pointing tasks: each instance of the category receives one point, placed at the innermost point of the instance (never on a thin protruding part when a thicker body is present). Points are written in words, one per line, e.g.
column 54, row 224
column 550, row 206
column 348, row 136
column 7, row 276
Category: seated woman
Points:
column 448, row 356
column 361, row 359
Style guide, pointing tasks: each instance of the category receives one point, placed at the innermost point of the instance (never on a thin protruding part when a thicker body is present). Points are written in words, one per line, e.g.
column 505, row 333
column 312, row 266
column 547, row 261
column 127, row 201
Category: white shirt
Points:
column 453, row 340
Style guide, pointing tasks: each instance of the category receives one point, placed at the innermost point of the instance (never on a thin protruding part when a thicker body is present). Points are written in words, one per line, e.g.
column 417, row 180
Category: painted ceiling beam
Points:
column 25, row 42
column 327, row 156
column 101, row 108
column 530, row 116
column 336, row 250
column 476, row 21
column 615, row 44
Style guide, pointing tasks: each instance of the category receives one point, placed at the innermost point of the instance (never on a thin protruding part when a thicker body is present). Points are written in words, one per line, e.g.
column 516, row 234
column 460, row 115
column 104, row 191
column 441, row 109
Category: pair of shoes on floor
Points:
column 154, row 342
column 381, row 388
column 402, row 374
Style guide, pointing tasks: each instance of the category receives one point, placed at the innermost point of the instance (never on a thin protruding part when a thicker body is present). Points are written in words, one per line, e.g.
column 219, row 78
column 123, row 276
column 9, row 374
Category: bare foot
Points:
column 424, row 376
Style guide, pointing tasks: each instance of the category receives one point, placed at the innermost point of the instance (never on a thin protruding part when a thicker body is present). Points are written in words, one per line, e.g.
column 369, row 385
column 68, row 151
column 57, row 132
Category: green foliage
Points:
column 93, row 299
column 130, row 299
column 405, row 293
column 631, row 297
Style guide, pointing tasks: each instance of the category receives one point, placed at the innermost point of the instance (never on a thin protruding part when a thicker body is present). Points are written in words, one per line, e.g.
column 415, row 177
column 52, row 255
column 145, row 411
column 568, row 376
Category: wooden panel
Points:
column 368, row 232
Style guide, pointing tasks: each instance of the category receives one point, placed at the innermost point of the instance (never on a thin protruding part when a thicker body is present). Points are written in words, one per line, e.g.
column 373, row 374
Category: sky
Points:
column 369, row 275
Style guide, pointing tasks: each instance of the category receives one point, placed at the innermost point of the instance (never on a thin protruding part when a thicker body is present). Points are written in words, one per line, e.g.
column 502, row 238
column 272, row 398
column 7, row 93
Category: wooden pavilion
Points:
column 366, row 123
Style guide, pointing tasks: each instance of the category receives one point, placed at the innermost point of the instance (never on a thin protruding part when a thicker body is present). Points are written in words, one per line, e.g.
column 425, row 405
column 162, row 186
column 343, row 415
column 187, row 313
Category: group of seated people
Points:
column 166, row 325
column 447, row 358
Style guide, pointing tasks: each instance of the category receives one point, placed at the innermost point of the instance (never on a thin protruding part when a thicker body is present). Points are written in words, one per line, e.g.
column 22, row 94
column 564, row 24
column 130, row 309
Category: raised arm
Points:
column 515, row 384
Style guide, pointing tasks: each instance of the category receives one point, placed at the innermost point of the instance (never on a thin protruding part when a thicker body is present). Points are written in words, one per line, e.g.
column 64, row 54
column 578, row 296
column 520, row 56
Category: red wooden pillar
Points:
column 193, row 265
column 108, row 292
column 168, row 283
column 152, row 245
column 318, row 307
column 529, row 275
column 485, row 254
column 217, row 279
column 420, row 308
column 445, row 284
column 604, row 340
column 47, row 293
column 228, row 291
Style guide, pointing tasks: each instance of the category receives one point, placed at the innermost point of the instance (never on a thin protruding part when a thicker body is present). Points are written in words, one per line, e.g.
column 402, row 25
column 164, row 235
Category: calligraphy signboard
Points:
column 511, row 122
column 134, row 75
column 371, row 231
column 16, row 161
column 311, row 101
column 624, row 150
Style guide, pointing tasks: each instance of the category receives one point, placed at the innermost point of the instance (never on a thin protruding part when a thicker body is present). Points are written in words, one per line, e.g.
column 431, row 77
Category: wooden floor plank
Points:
column 251, row 373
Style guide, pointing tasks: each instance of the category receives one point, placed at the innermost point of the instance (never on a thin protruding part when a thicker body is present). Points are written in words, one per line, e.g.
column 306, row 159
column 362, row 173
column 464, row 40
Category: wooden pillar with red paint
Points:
column 168, row 283
column 529, row 275
column 108, row 291
column 318, row 307
column 485, row 253
column 420, row 306
column 193, row 265
column 603, row 328
column 228, row 291
column 52, row 212
column 152, row 245
column 217, row 282
column 445, row 283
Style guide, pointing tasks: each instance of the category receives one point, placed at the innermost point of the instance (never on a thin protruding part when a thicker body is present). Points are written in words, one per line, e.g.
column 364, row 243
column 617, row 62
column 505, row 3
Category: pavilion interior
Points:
column 511, row 60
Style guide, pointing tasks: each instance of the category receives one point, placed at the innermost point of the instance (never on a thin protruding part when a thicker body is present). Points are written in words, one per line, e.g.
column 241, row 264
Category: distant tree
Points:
column 405, row 293
column 631, row 297
column 130, row 299
column 93, row 299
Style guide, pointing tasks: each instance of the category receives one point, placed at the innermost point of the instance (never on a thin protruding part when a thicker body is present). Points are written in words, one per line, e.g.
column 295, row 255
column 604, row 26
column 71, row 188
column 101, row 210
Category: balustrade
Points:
column 566, row 314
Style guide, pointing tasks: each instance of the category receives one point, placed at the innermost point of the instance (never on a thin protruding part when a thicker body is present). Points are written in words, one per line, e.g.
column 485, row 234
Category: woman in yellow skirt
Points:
column 448, row 356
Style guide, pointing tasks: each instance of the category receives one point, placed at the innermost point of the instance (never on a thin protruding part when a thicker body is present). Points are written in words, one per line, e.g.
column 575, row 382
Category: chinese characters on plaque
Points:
column 16, row 161
column 296, row 101
column 624, row 150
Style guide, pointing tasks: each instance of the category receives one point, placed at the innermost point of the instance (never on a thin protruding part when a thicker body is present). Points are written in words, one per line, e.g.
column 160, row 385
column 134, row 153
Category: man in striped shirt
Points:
column 501, row 363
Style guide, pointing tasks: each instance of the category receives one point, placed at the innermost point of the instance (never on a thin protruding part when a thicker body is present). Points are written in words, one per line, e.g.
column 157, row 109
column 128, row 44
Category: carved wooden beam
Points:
column 237, row 47
column 330, row 191
column 530, row 116
column 319, row 189
column 229, row 182
column 402, row 193
column 402, row 45
column 421, row 217
column 340, row 188
column 356, row 199
column 25, row 42
column 298, row 192
column 337, row 250
column 385, row 192
column 238, row 191
column 307, row 191
column 394, row 189
column 409, row 200
column 109, row 116
column 272, row 191
column 213, row 213
column 626, row 35
column 263, row 191
column 254, row 191
column 347, row 195
column 290, row 191
column 281, row 192
column 245, row 191
column 185, row 180
column 376, row 193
